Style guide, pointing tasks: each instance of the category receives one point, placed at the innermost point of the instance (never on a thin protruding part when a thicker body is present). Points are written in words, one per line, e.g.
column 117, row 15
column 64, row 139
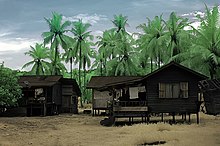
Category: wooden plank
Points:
column 127, row 109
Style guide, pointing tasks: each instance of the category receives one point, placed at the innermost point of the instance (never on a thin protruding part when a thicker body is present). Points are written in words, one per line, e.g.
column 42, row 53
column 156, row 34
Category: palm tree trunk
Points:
column 151, row 65
column 80, row 59
column 38, row 68
column 71, row 67
column 84, row 77
column 55, row 59
column 101, row 67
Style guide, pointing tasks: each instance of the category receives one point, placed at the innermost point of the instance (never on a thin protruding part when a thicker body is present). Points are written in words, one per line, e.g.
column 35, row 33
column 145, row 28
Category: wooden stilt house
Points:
column 101, row 95
column 48, row 95
column 172, row 89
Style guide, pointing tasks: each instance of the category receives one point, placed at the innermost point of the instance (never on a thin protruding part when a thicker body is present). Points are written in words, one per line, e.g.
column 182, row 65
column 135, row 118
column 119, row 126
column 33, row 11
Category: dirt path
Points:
column 84, row 130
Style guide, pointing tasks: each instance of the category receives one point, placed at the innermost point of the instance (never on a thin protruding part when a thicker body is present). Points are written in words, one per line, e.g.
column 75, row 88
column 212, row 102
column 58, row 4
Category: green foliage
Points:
column 120, row 54
column 205, row 51
column 10, row 91
column 39, row 55
column 56, row 37
column 152, row 43
column 82, row 49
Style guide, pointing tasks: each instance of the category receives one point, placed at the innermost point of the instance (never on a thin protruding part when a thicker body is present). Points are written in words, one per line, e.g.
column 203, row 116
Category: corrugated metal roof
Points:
column 173, row 63
column 101, row 81
column 105, row 81
column 36, row 81
column 46, row 81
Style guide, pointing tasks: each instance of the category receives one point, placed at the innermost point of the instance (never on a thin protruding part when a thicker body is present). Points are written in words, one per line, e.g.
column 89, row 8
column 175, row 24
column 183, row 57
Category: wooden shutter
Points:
column 184, row 89
column 176, row 90
column 162, row 88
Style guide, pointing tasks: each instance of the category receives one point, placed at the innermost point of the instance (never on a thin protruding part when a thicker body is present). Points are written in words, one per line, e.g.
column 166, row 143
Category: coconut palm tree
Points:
column 120, row 22
column 56, row 36
column 59, row 68
column 176, row 34
column 100, row 62
column 69, row 56
column 82, row 38
column 152, row 42
column 106, row 45
column 123, row 62
column 205, row 53
column 39, row 53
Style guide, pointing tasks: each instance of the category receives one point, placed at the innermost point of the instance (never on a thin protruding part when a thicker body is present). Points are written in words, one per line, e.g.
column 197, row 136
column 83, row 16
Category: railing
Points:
column 129, row 103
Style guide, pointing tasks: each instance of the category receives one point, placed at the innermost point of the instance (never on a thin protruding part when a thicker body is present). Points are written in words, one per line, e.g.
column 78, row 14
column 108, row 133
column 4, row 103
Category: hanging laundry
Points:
column 133, row 91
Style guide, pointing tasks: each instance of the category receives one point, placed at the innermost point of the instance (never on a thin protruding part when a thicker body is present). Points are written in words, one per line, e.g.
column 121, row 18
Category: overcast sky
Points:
column 22, row 21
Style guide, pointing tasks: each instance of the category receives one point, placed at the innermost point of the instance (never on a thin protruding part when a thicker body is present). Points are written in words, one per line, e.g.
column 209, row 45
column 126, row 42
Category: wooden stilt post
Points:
column 145, row 118
column 148, row 118
column 197, row 117
column 162, row 117
column 189, row 117
column 45, row 109
column 31, row 110
column 173, row 114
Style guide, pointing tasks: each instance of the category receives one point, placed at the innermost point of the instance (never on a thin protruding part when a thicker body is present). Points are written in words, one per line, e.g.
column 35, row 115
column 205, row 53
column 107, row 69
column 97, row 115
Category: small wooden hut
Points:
column 211, row 94
column 102, row 94
column 48, row 95
column 173, row 89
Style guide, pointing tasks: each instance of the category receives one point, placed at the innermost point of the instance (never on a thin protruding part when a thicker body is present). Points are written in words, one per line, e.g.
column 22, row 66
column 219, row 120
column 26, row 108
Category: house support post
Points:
column 44, row 109
column 189, row 117
column 148, row 118
column 173, row 114
column 197, row 117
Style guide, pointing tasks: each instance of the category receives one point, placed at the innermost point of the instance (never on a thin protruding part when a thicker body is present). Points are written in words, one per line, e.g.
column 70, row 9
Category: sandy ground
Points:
column 85, row 130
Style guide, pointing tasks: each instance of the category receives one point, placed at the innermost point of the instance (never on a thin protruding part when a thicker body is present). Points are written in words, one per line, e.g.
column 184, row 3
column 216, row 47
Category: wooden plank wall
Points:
column 178, row 105
column 212, row 102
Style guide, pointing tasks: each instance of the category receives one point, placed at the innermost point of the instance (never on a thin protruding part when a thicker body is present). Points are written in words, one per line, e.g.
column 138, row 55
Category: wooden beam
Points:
column 132, row 109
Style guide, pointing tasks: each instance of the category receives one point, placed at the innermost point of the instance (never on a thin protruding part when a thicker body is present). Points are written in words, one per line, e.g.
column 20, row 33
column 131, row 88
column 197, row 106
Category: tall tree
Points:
column 176, row 34
column 152, row 42
column 39, row 53
column 82, row 45
column 120, row 22
column 106, row 45
column 205, row 53
column 59, row 68
column 56, row 36
column 124, row 61
column 69, row 56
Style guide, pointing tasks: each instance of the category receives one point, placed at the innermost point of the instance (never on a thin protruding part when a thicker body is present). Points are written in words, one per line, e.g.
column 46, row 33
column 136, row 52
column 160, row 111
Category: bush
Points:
column 10, row 91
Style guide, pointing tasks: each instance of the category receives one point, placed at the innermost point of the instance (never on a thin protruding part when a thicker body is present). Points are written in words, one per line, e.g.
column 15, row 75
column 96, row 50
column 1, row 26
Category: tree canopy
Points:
column 117, row 52
column 10, row 91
